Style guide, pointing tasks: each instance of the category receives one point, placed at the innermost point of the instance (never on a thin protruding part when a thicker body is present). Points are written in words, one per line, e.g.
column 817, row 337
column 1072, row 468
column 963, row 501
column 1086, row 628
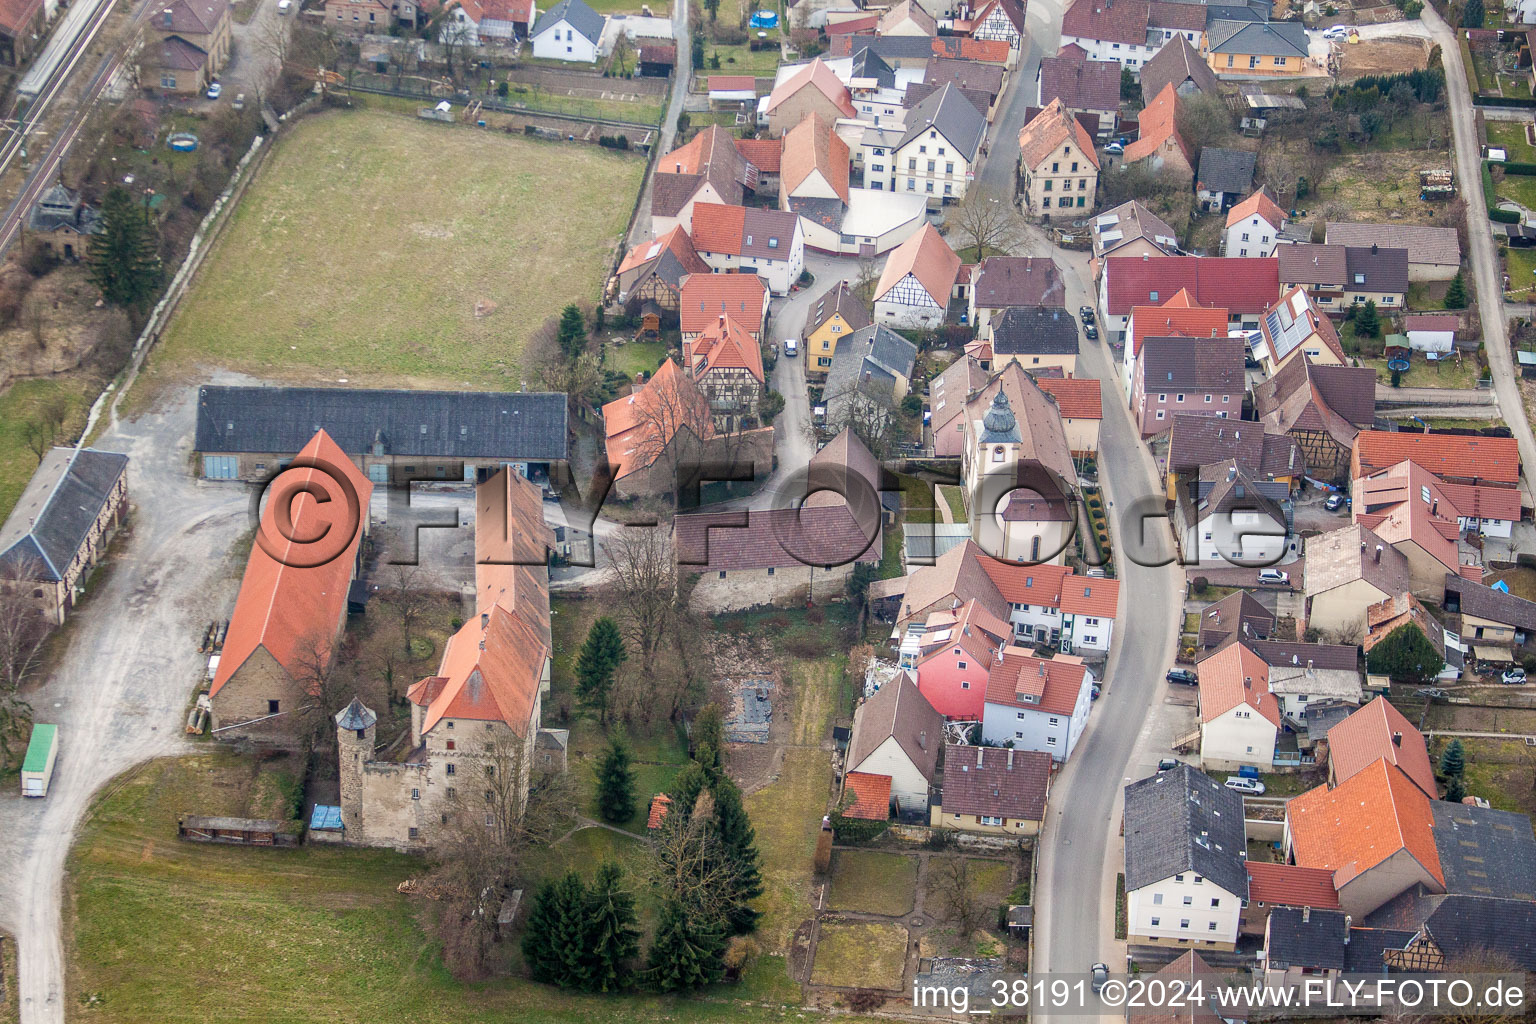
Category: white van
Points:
column 283, row 6
column 791, row 346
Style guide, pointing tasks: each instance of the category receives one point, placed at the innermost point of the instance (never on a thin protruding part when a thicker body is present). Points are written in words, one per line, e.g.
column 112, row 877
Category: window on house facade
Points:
column 990, row 819
column 453, row 769
column 272, row 706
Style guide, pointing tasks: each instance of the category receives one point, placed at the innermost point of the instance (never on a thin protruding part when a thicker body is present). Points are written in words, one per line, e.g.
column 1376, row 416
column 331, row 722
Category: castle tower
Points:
column 354, row 743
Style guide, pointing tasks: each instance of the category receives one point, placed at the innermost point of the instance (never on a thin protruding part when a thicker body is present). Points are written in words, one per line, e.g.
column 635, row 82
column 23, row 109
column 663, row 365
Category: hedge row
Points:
column 1505, row 101
column 1494, row 213
column 1515, row 167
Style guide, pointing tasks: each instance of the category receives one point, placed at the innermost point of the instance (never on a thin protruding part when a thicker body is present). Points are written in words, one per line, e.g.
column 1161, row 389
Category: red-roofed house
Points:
column 1081, row 402
column 21, row 29
column 1158, row 141
column 1254, row 226
column 1373, row 831
column 653, row 272
column 1058, row 166
column 1036, row 703
column 727, row 365
column 750, row 240
column 1284, row 885
column 1001, row 20
column 642, row 427
column 1239, row 717
column 190, row 40
column 985, row 51
column 954, row 655
column 1178, row 317
column 1378, row 730
column 917, row 280
column 476, row 722
column 709, row 168
column 289, row 614
column 1245, row 288
column 660, row 805
column 1454, row 458
column 1405, row 508
column 814, row 89
column 703, row 297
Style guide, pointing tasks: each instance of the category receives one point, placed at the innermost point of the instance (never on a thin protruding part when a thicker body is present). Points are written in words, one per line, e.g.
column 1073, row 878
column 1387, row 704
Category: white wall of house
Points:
column 908, row 305
column 908, row 786
column 1132, row 55
column 779, row 274
column 1033, row 729
column 1238, row 736
column 562, row 42
column 1251, row 236
column 930, row 166
column 1077, row 634
column 1487, row 527
column 1211, row 914
column 1431, row 341
column 1237, row 538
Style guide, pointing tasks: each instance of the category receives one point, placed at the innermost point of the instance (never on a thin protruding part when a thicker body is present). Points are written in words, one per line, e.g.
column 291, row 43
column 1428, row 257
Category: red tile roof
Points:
column 1157, row 126
column 723, row 345
column 639, row 426
column 1479, row 501
column 703, row 297
column 1287, row 885
column 1257, row 205
column 1495, row 459
column 1054, row 683
column 853, row 25
column 16, row 15
column 731, row 83
column 927, row 257
column 1049, row 129
column 1122, row 22
column 1176, row 318
column 764, row 154
column 818, row 76
column 744, row 230
column 1078, row 398
column 988, row 51
column 660, row 805
column 1366, row 736
column 1233, row 677
column 1360, row 823
column 812, row 146
column 1241, row 285
column 871, row 796
column 293, row 611
column 677, row 242
column 1008, row 784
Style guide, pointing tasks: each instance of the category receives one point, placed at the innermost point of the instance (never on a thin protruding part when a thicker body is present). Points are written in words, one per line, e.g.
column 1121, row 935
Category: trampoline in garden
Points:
column 765, row 19
column 1399, row 364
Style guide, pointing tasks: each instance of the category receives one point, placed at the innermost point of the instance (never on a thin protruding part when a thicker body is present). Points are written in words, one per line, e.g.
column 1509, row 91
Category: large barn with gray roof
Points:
column 250, row 433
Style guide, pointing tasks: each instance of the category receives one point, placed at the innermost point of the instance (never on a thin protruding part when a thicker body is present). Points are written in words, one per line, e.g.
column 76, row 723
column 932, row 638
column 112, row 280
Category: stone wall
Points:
column 751, row 588
column 246, row 696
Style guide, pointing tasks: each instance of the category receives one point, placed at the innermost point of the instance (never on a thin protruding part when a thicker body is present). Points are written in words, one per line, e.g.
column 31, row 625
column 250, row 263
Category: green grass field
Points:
column 863, row 954
column 369, row 238
column 1422, row 373
column 166, row 931
column 18, row 406
column 1511, row 135
column 873, row 882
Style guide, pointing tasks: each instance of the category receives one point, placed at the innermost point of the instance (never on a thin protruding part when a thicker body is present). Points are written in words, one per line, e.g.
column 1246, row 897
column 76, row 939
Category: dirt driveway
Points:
column 121, row 690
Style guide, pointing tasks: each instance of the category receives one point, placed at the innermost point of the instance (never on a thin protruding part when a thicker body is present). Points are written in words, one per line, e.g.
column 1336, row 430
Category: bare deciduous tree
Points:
column 871, row 412
column 676, row 421
column 991, row 223
column 955, row 893
column 43, row 426
column 690, row 865
column 315, row 666
column 582, row 379
column 1203, row 120
column 408, row 598
column 22, row 632
column 644, row 580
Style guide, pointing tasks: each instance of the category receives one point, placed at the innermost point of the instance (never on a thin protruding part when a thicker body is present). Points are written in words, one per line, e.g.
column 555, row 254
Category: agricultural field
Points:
column 351, row 258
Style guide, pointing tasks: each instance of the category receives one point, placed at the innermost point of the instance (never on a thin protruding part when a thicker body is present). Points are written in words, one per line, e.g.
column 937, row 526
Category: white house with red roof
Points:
column 915, row 286
column 1036, row 703
column 1253, row 227
column 1245, row 288
column 750, row 240
column 1239, row 717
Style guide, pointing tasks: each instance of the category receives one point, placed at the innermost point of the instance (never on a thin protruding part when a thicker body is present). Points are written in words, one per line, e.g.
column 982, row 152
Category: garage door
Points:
column 221, row 467
column 379, row 473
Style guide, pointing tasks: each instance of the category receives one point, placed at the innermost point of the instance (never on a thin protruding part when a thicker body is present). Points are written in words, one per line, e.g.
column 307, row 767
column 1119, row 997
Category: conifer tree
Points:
column 615, row 784
column 572, row 333
column 1453, row 762
column 709, row 728
column 738, row 842
column 568, row 936
column 686, row 953
column 1456, row 294
column 601, row 655
column 612, row 938
column 124, row 254
column 538, row 936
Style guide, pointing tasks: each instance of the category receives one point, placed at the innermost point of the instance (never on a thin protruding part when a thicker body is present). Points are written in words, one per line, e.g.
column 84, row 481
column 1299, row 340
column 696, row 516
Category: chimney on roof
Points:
column 1042, row 668
column 1373, row 249
column 1247, row 682
column 1306, row 914
column 1397, row 739
column 1309, row 666
column 980, row 753
column 1010, row 759
column 922, row 740
column 1348, row 919
column 1378, row 554
column 482, row 643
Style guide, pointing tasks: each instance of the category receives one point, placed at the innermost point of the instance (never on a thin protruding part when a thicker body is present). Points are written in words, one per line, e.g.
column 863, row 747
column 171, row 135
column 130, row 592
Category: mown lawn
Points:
column 160, row 930
column 1511, row 135
column 359, row 255
column 1421, row 373
column 873, row 882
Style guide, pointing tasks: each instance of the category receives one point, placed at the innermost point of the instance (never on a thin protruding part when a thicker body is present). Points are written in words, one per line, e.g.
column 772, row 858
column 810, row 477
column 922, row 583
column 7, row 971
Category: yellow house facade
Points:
column 835, row 315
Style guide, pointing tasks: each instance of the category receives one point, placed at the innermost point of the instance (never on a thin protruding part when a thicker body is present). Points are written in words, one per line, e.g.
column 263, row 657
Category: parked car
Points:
column 791, row 346
column 1097, row 690
column 1167, row 764
column 1086, row 312
column 1183, row 677
column 284, row 6
column 1274, row 578
column 1514, row 676
column 1334, row 503
column 239, row 101
column 214, row 90
column 1091, row 332
column 1100, row 974
column 1114, row 148
column 1336, row 32
column 1252, row 787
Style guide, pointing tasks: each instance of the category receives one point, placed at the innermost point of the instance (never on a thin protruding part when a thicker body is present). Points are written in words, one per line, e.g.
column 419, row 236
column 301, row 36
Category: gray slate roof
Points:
column 869, row 64
column 1469, row 925
column 1485, row 852
column 1488, row 603
column 61, row 207
column 1300, row 938
column 1184, row 820
column 1226, row 170
column 581, row 18
column 953, row 116
column 57, row 510
column 1035, row 330
column 1265, row 39
column 1383, row 270
column 870, row 358
column 514, row 426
